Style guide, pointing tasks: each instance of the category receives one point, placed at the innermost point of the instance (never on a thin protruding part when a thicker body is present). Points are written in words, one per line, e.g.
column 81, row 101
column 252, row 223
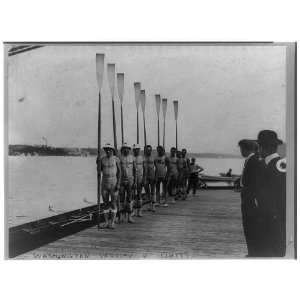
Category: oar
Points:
column 158, row 101
column 111, row 80
column 164, row 110
column 120, row 85
column 137, row 94
column 99, row 74
column 143, row 105
column 176, row 117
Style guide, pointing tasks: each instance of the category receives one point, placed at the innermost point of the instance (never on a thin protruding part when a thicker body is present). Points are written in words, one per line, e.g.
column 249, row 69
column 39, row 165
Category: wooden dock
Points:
column 207, row 225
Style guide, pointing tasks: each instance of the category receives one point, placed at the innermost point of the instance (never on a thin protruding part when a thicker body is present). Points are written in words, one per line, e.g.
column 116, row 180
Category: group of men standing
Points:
column 263, row 196
column 125, row 175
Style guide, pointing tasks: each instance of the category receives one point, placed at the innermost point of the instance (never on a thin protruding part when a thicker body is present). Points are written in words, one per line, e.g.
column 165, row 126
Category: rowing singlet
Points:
column 139, row 163
column 182, row 165
column 126, row 167
column 160, row 163
column 172, row 166
column 149, row 167
column 109, row 169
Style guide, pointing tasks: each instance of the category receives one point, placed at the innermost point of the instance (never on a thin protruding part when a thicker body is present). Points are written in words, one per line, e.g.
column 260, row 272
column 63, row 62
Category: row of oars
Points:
column 140, row 98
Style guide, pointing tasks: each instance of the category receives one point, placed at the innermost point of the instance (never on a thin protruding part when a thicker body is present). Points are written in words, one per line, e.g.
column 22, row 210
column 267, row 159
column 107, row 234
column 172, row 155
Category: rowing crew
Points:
column 124, row 177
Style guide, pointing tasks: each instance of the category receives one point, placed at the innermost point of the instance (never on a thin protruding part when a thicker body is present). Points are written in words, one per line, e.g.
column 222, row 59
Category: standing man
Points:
column 249, row 183
column 272, row 197
column 149, row 178
column 194, row 171
column 127, row 181
column 161, row 176
column 186, row 172
column 172, row 174
column 182, row 167
column 109, row 165
column 139, row 178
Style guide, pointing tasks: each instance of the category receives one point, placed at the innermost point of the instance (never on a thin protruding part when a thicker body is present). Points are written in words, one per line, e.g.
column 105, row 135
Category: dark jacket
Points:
column 250, row 180
column 272, row 207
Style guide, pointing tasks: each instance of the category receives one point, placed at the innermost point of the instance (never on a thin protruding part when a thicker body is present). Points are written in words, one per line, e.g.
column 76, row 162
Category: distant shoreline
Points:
column 43, row 150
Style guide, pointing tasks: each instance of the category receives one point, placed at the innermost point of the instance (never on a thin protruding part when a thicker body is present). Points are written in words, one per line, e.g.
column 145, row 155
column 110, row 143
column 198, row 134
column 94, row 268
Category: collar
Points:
column 271, row 157
column 251, row 154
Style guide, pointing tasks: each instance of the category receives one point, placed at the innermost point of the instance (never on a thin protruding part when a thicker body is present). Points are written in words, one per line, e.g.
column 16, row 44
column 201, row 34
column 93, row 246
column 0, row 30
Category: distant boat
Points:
column 209, row 178
column 232, row 175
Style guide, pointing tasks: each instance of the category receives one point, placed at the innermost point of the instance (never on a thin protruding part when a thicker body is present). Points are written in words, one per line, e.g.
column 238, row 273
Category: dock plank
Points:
column 207, row 225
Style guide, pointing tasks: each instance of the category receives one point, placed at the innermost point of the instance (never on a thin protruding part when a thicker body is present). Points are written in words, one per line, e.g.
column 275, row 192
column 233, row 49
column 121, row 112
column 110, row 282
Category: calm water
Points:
column 66, row 183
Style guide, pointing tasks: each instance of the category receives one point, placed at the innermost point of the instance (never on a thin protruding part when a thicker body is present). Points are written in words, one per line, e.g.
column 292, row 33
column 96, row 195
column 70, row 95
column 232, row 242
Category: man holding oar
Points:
column 161, row 176
column 109, row 165
column 172, row 173
column 127, row 181
column 149, row 177
column 139, row 177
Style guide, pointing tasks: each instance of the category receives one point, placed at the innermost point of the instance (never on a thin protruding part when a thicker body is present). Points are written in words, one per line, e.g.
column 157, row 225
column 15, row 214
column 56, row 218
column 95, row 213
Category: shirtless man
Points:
column 127, row 181
column 139, row 177
column 172, row 173
column 161, row 176
column 109, row 165
column 149, row 178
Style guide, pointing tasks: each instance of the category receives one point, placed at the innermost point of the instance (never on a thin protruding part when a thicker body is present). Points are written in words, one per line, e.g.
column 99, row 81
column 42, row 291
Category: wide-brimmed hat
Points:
column 125, row 146
column 136, row 146
column 108, row 146
column 268, row 138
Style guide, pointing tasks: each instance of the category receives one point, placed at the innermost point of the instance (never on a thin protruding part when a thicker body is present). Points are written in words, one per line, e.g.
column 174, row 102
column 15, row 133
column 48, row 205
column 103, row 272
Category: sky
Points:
column 225, row 93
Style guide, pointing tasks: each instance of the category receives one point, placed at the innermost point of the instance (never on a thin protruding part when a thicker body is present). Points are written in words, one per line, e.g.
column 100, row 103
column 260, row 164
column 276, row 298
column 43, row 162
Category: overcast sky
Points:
column 225, row 93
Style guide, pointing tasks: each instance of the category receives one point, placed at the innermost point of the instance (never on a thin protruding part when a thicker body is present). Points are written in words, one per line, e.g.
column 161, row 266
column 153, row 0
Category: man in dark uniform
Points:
column 272, row 197
column 249, row 182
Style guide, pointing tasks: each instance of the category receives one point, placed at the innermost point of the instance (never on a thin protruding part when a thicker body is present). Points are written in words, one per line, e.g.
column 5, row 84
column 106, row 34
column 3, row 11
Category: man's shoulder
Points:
column 278, row 165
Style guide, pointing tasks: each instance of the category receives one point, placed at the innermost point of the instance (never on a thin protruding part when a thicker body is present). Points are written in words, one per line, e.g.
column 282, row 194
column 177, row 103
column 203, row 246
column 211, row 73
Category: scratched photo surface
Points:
column 54, row 127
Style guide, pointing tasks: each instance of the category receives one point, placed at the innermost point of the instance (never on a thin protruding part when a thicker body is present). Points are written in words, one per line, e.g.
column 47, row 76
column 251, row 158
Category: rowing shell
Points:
column 208, row 178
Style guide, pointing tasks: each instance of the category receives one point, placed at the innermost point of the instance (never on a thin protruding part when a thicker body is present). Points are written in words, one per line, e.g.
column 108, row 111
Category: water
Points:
column 66, row 183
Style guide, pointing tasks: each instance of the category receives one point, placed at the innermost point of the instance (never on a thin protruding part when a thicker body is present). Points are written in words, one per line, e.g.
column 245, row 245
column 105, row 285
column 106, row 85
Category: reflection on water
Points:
column 40, row 187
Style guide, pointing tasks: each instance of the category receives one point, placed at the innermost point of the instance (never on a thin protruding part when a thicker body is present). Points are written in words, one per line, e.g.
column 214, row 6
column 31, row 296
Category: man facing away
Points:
column 172, row 174
column 161, row 176
column 127, row 181
column 272, row 197
column 109, row 165
column 249, row 183
column 139, row 177
column 149, row 178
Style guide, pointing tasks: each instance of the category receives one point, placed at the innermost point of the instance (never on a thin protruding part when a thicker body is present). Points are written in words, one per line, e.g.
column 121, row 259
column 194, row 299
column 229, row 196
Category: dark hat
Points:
column 248, row 144
column 268, row 138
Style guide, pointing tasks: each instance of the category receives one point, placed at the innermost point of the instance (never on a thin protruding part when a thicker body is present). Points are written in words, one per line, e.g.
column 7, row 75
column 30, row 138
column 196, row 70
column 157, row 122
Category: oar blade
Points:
column 137, row 93
column 100, row 69
column 111, row 71
column 175, row 109
column 164, row 106
column 143, row 100
column 120, row 85
column 157, row 101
